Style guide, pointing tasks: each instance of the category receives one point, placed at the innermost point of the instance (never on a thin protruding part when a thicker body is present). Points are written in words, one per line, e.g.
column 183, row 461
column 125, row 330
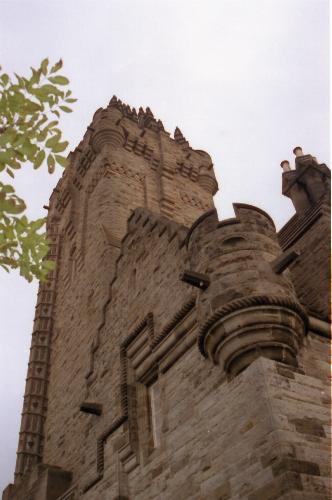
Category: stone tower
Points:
column 174, row 355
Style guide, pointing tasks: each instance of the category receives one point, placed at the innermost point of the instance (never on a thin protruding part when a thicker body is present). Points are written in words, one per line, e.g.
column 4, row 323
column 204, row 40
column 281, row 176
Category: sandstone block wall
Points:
column 311, row 273
column 124, row 161
column 120, row 401
column 263, row 435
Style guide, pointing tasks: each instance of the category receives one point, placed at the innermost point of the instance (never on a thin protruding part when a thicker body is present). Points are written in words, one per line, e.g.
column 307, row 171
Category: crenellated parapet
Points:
column 136, row 140
column 248, row 307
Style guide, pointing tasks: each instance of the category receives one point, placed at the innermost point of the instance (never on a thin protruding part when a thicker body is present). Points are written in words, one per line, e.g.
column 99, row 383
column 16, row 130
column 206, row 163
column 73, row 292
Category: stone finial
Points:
column 160, row 125
column 144, row 118
column 140, row 117
column 285, row 166
column 298, row 151
column 149, row 112
column 180, row 139
column 113, row 101
column 178, row 135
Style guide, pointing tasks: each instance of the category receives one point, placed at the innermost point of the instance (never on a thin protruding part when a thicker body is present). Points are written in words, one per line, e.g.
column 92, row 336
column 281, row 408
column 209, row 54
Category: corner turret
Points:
column 250, row 308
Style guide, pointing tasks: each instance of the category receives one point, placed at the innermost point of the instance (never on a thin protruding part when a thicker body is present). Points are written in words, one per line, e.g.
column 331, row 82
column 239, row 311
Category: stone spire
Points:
column 179, row 137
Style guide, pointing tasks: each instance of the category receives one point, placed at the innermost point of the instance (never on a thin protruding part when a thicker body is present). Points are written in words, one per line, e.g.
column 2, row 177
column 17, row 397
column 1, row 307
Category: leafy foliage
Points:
column 30, row 109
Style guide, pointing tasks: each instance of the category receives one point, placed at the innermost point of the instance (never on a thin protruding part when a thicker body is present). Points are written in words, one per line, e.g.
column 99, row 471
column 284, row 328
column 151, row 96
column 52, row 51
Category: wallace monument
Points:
column 175, row 356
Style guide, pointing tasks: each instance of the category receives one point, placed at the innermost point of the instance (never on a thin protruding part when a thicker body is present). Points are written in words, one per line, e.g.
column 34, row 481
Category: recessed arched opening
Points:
column 234, row 241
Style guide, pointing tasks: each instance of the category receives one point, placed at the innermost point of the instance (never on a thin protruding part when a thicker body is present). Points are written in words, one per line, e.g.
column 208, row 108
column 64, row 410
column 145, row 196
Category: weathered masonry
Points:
column 174, row 355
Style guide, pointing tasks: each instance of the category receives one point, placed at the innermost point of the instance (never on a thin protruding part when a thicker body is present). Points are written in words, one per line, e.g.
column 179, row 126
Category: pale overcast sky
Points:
column 244, row 80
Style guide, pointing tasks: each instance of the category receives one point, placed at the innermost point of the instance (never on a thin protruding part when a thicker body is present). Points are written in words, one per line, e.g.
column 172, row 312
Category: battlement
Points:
column 248, row 306
column 143, row 119
column 123, row 142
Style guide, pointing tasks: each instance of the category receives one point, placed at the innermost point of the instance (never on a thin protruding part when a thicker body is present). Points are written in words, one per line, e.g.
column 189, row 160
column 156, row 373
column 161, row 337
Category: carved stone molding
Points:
column 85, row 161
column 133, row 144
column 207, row 180
column 195, row 201
column 187, row 170
column 208, row 184
column 145, row 352
column 108, row 169
column 244, row 329
column 107, row 133
column 62, row 201
column 30, row 447
column 122, row 170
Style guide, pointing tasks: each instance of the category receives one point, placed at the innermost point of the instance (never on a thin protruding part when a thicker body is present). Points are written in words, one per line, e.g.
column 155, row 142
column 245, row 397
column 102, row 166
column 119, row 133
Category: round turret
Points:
column 248, row 310
column 206, row 177
column 107, row 131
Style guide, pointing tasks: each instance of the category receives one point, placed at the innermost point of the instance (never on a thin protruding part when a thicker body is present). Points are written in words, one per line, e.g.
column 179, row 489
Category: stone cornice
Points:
column 247, row 302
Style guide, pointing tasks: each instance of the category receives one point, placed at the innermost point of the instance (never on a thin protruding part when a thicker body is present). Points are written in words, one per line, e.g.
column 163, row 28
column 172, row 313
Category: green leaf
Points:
column 50, row 163
column 37, row 224
column 49, row 265
column 66, row 109
column 48, row 89
column 56, row 66
column 35, row 76
column 12, row 205
column 20, row 80
column 7, row 137
column 5, row 156
column 13, row 163
column 4, row 78
column 58, row 80
column 42, row 135
column 39, row 159
column 43, row 66
column 51, row 124
column 28, row 120
column 6, row 188
column 16, row 101
column 61, row 146
column 64, row 162
column 28, row 149
column 42, row 120
column 53, row 141
column 31, row 107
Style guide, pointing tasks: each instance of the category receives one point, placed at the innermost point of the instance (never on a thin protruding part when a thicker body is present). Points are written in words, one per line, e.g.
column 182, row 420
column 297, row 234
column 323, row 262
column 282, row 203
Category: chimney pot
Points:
column 285, row 165
column 298, row 151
